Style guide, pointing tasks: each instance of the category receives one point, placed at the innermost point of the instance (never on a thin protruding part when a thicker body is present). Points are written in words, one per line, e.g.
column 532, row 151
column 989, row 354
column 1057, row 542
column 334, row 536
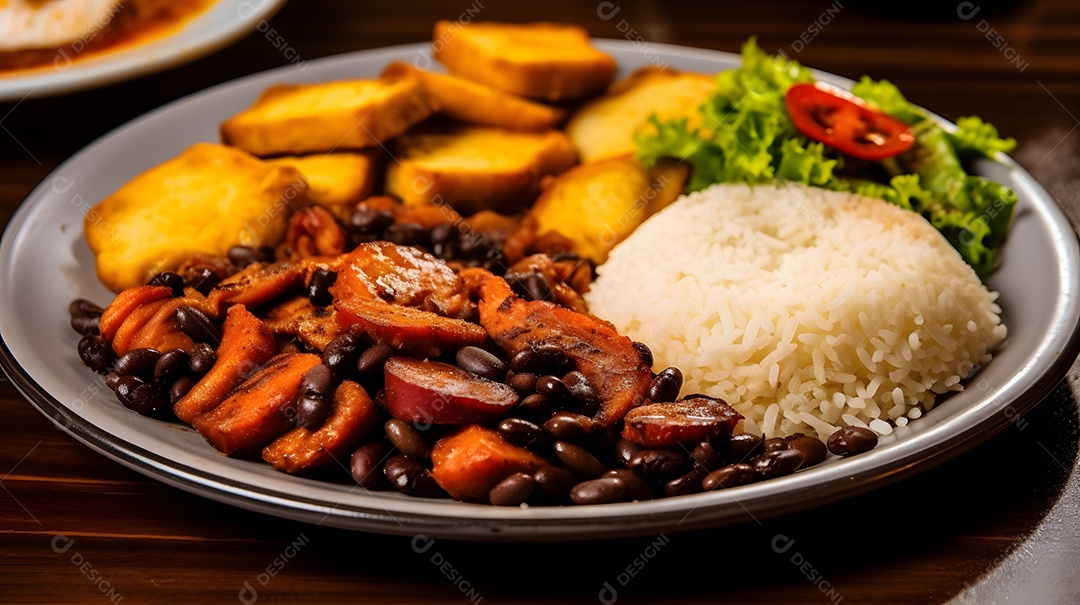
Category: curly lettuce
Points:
column 747, row 136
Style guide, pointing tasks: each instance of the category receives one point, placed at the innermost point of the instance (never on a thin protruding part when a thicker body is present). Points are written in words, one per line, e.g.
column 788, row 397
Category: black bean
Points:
column 373, row 359
column 586, row 399
column 86, row 323
column 410, row 477
column 513, row 490
column 369, row 220
column 81, row 306
column 203, row 280
column 745, row 446
column 852, row 440
column 342, row 353
column 472, row 242
column 524, row 383
column 444, row 233
column 706, row 457
column 446, row 250
column 180, row 388
column 406, row 234
column 112, row 379
column 547, row 359
column 530, row 286
column 356, row 238
column 242, row 256
column 470, row 313
column 657, row 463
column 201, row 358
column 552, row 388
column 533, row 403
column 96, row 354
column 690, row 483
column 666, row 386
column 140, row 396
column 555, row 480
column 407, row 439
column 170, row 280
column 480, row 362
column 578, row 459
column 538, row 287
column 636, row 487
column 318, row 290
column 312, row 411
column 568, row 426
column 318, row 381
column 315, row 403
column 366, row 465
column 495, row 261
column 197, row 325
column 138, row 362
column 732, row 475
column 171, row 366
column 625, row 450
column 380, row 400
column 775, row 444
column 646, row 353
column 599, row 491
column 812, row 448
column 778, row 463
column 523, row 433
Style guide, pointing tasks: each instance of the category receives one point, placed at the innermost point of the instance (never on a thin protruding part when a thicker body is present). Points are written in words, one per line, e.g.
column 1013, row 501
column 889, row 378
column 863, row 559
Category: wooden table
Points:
column 997, row 523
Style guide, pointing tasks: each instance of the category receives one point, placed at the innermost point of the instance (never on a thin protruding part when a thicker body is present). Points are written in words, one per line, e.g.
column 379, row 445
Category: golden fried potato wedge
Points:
column 326, row 117
column 605, row 127
column 336, row 181
column 204, row 201
column 474, row 168
column 549, row 61
column 478, row 104
column 598, row 204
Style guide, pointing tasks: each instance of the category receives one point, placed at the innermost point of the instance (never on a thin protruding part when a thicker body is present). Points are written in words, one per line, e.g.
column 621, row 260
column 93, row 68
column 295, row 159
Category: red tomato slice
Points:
column 845, row 122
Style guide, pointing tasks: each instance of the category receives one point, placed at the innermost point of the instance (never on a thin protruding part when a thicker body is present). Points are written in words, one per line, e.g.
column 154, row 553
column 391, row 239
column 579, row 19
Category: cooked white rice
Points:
column 804, row 309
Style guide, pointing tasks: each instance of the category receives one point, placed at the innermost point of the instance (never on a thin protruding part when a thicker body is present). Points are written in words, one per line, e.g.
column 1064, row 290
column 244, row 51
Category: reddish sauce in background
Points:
column 136, row 21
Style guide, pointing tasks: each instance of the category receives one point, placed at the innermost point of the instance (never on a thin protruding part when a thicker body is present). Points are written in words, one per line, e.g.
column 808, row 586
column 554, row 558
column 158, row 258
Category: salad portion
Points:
column 769, row 119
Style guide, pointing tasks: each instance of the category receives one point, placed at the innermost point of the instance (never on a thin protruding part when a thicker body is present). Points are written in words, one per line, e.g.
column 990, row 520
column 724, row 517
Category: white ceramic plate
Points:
column 219, row 25
column 48, row 264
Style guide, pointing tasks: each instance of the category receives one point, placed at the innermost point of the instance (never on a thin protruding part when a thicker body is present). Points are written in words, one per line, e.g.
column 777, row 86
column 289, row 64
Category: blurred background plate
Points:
column 214, row 27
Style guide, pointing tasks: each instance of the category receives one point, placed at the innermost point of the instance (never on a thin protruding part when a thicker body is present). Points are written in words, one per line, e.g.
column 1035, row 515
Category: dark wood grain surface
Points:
column 998, row 524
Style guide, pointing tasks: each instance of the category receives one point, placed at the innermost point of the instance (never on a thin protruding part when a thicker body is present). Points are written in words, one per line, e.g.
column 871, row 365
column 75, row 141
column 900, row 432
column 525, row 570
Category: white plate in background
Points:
column 220, row 24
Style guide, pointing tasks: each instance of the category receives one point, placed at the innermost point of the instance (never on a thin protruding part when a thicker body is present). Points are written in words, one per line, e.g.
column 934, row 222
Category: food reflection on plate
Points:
column 37, row 34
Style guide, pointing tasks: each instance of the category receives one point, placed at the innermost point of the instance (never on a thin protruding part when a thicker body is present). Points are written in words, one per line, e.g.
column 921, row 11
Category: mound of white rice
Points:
column 804, row 309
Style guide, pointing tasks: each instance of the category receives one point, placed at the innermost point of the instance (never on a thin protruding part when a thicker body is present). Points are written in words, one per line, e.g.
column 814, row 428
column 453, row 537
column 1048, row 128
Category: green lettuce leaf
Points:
column 975, row 137
column 887, row 97
column 747, row 136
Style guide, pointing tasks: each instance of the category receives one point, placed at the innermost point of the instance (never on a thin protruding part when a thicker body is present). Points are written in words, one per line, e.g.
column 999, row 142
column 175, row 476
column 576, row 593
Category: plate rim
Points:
column 479, row 522
column 130, row 63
